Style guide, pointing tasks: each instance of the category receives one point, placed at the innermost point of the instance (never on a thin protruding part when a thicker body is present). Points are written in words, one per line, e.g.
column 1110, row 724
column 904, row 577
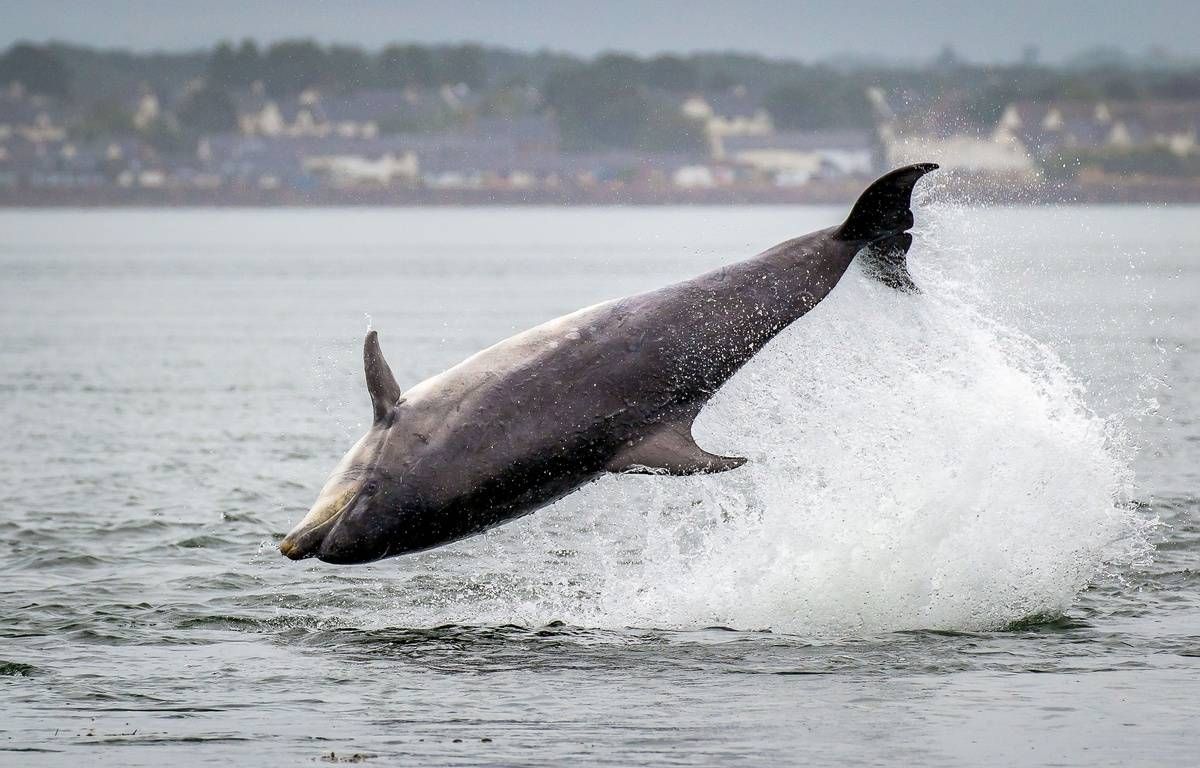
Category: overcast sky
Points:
column 902, row 29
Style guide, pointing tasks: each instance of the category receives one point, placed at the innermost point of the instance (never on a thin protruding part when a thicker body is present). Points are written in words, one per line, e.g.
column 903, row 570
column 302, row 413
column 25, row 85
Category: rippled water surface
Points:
column 968, row 533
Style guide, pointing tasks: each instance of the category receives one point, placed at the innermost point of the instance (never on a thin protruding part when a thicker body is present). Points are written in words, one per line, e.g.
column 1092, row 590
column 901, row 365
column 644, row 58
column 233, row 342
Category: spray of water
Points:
column 914, row 464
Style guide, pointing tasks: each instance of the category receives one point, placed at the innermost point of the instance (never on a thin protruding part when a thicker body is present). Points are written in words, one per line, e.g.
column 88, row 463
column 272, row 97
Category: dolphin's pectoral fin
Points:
column 670, row 451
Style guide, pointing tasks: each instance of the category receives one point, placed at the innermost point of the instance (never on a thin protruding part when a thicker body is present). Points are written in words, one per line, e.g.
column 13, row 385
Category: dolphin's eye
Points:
column 370, row 488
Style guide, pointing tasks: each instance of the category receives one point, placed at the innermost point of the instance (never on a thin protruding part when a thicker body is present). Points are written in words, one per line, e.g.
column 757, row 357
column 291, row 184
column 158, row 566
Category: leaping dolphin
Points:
column 610, row 388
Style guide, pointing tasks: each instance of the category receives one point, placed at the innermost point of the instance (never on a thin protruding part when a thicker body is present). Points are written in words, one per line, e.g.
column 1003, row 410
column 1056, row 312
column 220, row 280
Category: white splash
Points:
column 914, row 464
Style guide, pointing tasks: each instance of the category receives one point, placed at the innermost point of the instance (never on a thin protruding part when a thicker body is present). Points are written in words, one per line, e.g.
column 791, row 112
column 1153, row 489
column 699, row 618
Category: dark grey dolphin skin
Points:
column 611, row 388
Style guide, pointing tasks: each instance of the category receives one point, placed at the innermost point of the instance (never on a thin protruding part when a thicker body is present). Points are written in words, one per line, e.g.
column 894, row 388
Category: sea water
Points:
column 967, row 533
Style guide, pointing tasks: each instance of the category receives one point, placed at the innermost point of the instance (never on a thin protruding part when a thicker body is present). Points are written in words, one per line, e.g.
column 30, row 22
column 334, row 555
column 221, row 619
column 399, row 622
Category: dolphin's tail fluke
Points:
column 880, row 220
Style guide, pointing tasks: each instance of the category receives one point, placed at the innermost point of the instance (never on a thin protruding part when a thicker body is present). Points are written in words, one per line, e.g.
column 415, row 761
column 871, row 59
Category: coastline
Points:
column 1126, row 191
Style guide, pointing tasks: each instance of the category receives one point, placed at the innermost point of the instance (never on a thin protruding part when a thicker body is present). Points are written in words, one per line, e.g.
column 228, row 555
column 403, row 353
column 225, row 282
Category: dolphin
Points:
column 611, row 388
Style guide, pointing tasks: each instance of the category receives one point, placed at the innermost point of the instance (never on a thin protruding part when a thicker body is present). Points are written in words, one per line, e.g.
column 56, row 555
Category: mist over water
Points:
column 949, row 495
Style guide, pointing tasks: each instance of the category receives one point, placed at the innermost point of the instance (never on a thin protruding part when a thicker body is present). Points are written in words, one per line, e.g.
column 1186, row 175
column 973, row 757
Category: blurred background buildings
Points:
column 301, row 122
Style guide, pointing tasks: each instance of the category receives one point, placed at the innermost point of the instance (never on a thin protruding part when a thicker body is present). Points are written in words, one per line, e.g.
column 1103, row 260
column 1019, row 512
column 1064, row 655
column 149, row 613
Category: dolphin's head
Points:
column 360, row 511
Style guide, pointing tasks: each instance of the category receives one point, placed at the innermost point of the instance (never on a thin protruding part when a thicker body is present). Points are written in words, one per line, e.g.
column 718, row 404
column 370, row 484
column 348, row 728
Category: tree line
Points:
column 290, row 66
column 613, row 100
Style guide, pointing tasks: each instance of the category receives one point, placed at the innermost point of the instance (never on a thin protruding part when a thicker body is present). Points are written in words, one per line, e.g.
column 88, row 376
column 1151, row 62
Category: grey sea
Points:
column 968, row 533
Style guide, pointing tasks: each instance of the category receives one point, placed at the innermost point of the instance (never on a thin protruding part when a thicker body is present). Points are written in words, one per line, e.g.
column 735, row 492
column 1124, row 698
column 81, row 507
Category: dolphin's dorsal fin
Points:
column 380, row 381
column 670, row 450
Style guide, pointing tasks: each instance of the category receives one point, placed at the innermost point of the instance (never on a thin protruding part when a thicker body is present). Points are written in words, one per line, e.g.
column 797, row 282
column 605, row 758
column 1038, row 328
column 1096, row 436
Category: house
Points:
column 694, row 177
column 964, row 152
column 1170, row 125
column 524, row 134
column 300, row 115
column 34, row 118
column 941, row 133
column 364, row 113
column 358, row 170
column 727, row 113
column 1047, row 128
column 145, row 108
column 52, row 164
column 255, row 161
column 794, row 157
column 1044, row 128
column 510, row 152
column 358, row 114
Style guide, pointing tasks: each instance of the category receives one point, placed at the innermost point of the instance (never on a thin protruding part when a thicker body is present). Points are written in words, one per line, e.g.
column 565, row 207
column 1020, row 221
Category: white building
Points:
column 795, row 157
column 731, row 113
column 346, row 171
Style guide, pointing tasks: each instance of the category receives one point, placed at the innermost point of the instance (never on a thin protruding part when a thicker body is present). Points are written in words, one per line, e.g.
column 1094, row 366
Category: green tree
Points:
column 1120, row 86
column 618, row 70
column 36, row 68
column 984, row 106
column 249, row 63
column 604, row 105
column 463, row 64
column 667, row 129
column 167, row 138
column 584, row 104
column 407, row 65
column 235, row 68
column 221, row 69
column 821, row 101
column 291, row 66
column 720, row 80
column 104, row 119
column 208, row 110
column 348, row 67
column 672, row 73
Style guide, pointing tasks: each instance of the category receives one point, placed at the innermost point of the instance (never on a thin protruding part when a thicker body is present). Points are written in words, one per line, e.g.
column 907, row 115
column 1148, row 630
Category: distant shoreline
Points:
column 979, row 192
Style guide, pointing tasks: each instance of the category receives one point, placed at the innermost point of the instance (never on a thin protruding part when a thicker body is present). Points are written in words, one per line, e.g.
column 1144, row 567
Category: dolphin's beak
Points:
column 304, row 542
column 306, row 538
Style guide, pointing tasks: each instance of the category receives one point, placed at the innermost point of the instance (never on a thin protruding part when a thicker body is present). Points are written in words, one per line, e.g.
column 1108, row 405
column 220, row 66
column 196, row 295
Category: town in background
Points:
column 296, row 122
